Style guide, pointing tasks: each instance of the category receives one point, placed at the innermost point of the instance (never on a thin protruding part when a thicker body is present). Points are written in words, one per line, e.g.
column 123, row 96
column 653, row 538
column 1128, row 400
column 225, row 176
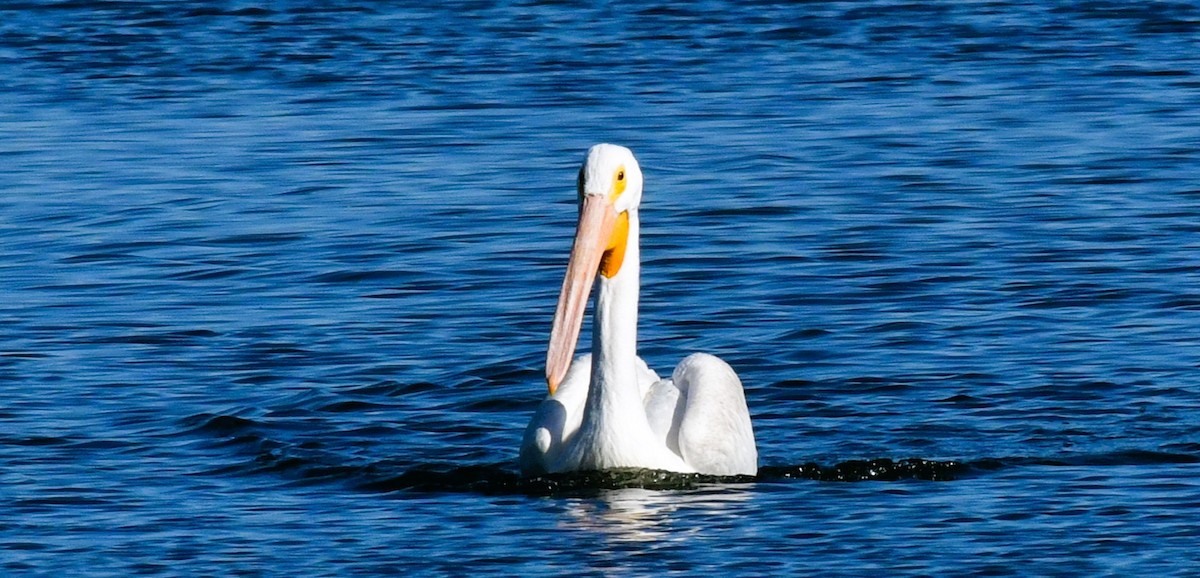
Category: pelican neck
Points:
column 614, row 334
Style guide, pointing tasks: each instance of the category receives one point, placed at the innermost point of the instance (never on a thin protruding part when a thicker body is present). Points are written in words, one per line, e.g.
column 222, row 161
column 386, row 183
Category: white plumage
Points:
column 607, row 409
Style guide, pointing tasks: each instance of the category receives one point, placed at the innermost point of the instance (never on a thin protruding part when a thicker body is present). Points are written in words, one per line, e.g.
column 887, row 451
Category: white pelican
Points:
column 609, row 410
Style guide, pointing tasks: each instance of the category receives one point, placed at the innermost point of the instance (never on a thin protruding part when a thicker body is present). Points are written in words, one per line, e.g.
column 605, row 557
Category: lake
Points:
column 278, row 277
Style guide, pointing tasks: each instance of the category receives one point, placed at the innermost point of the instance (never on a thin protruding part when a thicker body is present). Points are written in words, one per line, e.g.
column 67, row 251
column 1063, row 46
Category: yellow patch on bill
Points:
column 614, row 252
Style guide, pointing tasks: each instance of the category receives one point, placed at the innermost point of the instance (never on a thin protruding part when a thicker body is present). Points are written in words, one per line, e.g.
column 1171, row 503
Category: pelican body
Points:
column 608, row 409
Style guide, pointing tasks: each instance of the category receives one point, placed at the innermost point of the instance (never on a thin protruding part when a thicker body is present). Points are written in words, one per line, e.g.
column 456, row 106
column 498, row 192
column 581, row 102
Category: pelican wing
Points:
column 664, row 410
column 711, row 423
column 556, row 420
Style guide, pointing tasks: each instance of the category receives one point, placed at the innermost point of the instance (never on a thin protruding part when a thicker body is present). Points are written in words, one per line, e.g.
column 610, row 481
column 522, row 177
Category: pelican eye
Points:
column 619, row 183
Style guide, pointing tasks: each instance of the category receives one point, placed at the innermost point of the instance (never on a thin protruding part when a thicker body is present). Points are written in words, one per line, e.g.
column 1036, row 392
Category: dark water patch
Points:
column 1187, row 302
column 502, row 479
column 390, row 388
column 218, row 425
column 804, row 334
column 901, row 80
column 209, row 273
column 1069, row 390
column 108, row 444
column 24, row 355
column 83, row 287
column 884, row 470
column 57, row 501
column 360, row 276
column 306, row 190
column 255, row 239
column 1079, row 297
column 901, row 327
column 100, row 257
column 1169, row 26
column 506, row 373
column 873, row 385
column 209, row 11
column 855, row 252
column 1131, row 457
column 1185, row 448
column 965, row 400
column 182, row 337
column 35, row 441
column 809, row 28
column 259, row 378
column 1134, row 72
column 484, row 404
column 746, row 212
column 351, row 406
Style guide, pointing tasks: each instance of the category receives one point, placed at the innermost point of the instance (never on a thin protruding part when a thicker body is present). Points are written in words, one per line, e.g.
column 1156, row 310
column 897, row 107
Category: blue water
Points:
column 276, row 280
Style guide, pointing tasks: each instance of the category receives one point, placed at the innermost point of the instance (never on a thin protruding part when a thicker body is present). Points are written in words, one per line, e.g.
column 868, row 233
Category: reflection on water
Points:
column 644, row 515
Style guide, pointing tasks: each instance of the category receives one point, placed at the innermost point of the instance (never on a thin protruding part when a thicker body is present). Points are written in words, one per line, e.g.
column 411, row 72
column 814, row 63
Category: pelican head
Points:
column 610, row 186
column 612, row 172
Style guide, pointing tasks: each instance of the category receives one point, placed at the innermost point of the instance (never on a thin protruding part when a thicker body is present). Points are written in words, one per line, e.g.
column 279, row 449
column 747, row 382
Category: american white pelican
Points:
column 608, row 409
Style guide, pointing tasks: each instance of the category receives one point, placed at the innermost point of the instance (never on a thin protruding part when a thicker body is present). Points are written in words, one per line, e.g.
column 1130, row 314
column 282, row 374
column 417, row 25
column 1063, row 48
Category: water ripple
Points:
column 277, row 281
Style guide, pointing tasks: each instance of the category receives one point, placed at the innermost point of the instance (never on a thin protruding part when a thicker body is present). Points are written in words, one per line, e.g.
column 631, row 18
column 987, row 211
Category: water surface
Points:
column 277, row 280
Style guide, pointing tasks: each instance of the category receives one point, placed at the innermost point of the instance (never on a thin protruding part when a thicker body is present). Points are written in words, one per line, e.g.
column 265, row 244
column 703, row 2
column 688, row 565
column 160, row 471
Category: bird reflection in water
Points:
column 631, row 515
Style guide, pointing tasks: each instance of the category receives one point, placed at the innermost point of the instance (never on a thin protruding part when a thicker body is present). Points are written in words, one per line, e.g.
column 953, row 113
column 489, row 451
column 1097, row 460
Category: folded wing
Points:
column 701, row 415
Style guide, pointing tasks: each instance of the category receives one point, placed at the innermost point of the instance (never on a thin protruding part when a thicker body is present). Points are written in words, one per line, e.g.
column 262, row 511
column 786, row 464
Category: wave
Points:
column 305, row 466
column 502, row 478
